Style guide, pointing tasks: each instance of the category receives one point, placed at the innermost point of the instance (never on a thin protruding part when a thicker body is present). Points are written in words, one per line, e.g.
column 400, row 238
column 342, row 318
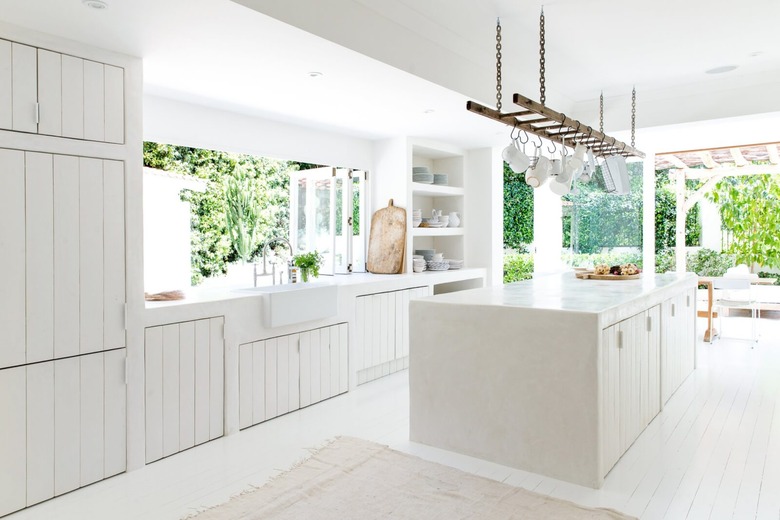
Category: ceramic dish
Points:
column 438, row 266
column 440, row 179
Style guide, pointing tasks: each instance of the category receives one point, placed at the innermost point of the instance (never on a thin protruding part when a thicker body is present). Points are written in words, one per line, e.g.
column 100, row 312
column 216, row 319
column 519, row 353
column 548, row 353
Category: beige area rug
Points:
column 353, row 479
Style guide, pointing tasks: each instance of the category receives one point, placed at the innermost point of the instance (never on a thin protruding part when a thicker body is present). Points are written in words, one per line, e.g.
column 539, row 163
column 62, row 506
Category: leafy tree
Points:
column 750, row 213
column 211, row 248
column 666, row 214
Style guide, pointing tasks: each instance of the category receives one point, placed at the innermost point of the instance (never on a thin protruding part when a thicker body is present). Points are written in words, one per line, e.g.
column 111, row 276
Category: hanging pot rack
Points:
column 541, row 121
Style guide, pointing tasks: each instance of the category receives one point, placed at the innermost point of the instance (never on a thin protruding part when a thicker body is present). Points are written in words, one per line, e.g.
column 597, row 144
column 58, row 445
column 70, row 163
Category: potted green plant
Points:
column 309, row 264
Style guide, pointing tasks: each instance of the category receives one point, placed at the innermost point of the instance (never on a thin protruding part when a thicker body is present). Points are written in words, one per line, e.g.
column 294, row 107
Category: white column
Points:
column 483, row 214
column 548, row 231
column 648, row 213
column 711, row 233
column 680, row 229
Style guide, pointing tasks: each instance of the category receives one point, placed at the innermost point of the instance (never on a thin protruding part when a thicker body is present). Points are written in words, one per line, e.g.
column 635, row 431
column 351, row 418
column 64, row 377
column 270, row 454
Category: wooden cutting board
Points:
column 387, row 241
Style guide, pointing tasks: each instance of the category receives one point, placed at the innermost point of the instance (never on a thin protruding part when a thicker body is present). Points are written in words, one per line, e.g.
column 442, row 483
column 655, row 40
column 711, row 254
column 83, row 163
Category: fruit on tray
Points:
column 615, row 269
column 601, row 269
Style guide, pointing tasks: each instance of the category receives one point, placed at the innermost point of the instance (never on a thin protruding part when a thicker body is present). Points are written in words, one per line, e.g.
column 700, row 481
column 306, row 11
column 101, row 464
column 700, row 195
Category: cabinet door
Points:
column 610, row 398
column 13, row 440
column 153, row 383
column 652, row 396
column 92, row 418
column 72, row 97
column 39, row 220
column 325, row 373
column 94, row 101
column 245, row 385
column 216, row 377
column 186, row 385
column 170, row 389
column 114, row 82
column 343, row 358
column 91, row 253
column 114, row 254
column 67, row 425
column 40, row 432
column 271, row 402
column 12, row 260
column 202, row 381
column 6, row 80
column 258, row 382
column 50, row 92
column 315, row 351
column 282, row 375
column 294, row 372
column 115, row 414
column 66, row 256
column 335, row 359
column 24, row 71
column 360, row 327
column 305, row 368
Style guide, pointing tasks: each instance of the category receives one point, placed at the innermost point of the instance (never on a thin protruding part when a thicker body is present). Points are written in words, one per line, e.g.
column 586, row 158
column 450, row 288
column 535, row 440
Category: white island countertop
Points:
column 613, row 300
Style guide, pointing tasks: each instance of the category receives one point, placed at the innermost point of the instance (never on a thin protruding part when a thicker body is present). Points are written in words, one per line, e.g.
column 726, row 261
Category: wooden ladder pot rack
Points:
column 543, row 122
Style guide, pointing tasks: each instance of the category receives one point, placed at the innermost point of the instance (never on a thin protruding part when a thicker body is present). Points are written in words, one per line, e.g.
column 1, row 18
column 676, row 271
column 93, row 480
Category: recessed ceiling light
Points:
column 315, row 74
column 95, row 4
column 428, row 111
column 721, row 70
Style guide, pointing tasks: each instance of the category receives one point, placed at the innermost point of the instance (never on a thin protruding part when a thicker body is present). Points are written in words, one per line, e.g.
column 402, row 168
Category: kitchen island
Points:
column 554, row 375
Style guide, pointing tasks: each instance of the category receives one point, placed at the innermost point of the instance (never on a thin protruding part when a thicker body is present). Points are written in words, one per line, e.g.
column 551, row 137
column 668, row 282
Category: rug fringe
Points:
column 313, row 450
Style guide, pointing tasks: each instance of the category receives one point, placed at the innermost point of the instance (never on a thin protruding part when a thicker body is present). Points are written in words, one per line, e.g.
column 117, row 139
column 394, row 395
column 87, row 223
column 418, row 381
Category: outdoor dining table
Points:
column 710, row 333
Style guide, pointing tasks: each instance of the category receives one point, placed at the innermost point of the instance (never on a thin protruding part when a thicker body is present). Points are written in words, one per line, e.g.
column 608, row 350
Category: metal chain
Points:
column 601, row 112
column 633, row 117
column 498, row 64
column 542, row 89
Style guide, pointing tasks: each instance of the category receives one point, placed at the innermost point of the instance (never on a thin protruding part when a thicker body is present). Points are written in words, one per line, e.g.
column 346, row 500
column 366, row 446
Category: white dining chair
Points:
column 736, row 293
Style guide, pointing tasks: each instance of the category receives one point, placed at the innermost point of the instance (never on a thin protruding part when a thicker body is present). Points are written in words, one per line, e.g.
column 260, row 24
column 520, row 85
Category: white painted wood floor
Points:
column 714, row 452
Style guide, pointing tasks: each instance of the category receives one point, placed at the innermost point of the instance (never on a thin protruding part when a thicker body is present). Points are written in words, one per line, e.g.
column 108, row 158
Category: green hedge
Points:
column 518, row 267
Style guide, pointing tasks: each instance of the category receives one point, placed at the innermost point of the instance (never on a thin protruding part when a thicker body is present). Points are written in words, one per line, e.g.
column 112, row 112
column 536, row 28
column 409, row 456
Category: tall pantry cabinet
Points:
column 70, row 153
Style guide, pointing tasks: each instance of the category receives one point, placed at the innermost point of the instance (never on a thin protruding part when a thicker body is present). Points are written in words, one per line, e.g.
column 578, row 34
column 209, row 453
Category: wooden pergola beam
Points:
column 771, row 150
column 739, row 159
column 706, row 158
column 733, row 171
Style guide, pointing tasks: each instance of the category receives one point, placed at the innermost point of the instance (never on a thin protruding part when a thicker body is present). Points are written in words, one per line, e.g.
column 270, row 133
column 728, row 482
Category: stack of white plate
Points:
column 440, row 179
column 416, row 217
column 436, row 224
column 426, row 254
column 438, row 266
column 454, row 264
column 418, row 264
column 419, row 169
column 423, row 178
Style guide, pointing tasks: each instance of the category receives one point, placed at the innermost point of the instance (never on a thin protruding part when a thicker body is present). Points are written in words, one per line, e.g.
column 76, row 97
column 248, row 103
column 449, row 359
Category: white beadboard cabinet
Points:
column 382, row 332
column 64, row 426
column 184, row 385
column 62, row 231
column 283, row 374
column 70, row 236
column 50, row 93
column 630, row 381
column 678, row 354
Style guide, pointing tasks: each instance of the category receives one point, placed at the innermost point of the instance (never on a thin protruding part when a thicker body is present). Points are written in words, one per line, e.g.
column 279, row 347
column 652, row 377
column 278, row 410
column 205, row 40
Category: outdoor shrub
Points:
column 664, row 261
column 765, row 274
column 518, row 267
column 518, row 210
column 706, row 262
column 609, row 258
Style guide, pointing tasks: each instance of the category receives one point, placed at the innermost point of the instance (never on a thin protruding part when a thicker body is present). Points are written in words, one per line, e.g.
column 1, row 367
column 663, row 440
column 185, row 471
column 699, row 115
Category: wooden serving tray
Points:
column 588, row 275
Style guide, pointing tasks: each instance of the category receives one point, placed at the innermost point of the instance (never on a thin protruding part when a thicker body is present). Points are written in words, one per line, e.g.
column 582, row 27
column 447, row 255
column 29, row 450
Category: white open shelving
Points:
column 438, row 158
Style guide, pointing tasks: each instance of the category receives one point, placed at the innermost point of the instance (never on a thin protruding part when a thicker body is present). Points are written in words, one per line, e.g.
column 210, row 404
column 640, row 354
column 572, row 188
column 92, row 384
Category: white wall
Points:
column 166, row 233
column 483, row 215
column 174, row 122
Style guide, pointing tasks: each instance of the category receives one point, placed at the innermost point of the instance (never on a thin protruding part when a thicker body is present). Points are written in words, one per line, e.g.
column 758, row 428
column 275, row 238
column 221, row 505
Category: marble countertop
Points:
column 565, row 292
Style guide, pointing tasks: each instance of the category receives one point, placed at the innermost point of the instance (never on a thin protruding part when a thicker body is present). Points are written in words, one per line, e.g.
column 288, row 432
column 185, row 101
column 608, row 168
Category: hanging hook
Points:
column 554, row 147
column 527, row 137
column 512, row 132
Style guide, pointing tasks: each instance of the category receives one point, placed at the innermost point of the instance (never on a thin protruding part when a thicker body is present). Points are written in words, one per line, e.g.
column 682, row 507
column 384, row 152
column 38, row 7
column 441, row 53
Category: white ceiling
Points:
column 222, row 54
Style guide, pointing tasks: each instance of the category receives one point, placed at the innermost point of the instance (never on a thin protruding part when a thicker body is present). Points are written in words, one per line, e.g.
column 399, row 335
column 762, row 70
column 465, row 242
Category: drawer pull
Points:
column 620, row 339
column 649, row 323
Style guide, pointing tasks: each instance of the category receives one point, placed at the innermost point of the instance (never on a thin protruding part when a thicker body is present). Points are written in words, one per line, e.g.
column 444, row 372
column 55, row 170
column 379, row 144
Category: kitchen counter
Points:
column 553, row 375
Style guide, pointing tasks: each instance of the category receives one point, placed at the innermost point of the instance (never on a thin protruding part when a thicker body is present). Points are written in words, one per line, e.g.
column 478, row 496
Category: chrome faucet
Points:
column 273, row 265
